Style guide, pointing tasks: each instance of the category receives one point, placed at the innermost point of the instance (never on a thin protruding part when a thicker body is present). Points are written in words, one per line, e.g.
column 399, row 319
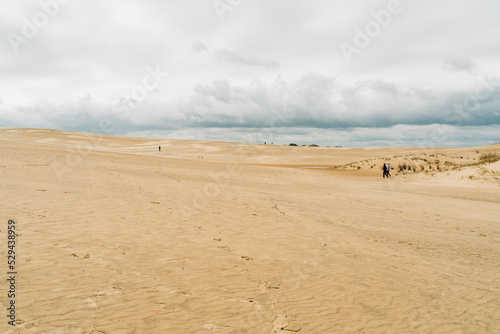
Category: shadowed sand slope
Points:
column 115, row 236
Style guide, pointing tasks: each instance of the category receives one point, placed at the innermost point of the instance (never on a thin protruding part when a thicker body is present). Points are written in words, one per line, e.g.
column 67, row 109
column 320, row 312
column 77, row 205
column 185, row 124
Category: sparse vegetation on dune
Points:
column 489, row 157
column 424, row 162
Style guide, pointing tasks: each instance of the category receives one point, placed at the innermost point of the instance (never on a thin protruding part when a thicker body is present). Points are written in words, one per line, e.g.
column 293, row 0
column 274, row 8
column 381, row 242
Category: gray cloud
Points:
column 313, row 101
column 458, row 64
column 231, row 57
column 199, row 47
column 93, row 52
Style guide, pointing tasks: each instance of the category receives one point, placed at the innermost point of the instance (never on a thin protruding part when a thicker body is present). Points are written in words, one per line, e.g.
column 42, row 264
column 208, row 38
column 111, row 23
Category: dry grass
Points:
column 423, row 162
column 489, row 157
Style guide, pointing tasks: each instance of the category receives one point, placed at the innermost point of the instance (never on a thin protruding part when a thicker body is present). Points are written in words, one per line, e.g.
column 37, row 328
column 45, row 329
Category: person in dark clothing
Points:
column 159, row 148
column 384, row 169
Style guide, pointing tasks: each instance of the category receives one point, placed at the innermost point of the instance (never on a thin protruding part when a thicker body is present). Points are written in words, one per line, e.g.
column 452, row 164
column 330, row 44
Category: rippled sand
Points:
column 115, row 236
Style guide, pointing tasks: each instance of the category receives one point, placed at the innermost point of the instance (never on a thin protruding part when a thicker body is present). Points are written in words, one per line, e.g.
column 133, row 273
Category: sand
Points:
column 115, row 236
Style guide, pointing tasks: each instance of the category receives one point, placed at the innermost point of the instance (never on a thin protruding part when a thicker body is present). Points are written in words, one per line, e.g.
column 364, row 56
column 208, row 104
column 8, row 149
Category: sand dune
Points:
column 214, row 237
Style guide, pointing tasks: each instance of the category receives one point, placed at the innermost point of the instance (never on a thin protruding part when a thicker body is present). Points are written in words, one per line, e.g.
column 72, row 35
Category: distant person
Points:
column 384, row 170
column 388, row 172
column 159, row 148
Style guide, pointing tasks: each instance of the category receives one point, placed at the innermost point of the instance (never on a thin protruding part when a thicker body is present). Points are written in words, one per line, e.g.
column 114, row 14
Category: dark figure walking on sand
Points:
column 384, row 169
column 159, row 148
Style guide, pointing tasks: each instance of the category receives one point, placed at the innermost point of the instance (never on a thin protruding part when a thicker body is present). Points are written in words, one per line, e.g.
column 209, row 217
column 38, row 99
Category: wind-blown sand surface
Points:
column 211, row 237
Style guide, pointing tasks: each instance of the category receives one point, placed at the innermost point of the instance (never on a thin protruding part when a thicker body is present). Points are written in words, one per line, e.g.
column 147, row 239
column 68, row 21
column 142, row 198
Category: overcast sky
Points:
column 328, row 72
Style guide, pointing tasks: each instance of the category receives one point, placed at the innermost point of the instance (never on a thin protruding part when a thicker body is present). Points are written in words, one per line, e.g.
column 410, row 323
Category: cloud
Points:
column 384, row 87
column 455, row 64
column 105, row 48
column 314, row 100
column 433, row 135
column 231, row 57
column 199, row 47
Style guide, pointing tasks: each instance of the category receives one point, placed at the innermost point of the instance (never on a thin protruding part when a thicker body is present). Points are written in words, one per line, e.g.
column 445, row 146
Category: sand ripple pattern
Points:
column 276, row 250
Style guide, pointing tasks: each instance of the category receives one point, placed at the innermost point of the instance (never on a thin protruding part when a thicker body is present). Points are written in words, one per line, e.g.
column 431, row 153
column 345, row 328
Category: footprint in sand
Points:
column 283, row 324
column 240, row 269
column 81, row 255
column 352, row 256
column 226, row 248
column 247, row 258
column 265, row 285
